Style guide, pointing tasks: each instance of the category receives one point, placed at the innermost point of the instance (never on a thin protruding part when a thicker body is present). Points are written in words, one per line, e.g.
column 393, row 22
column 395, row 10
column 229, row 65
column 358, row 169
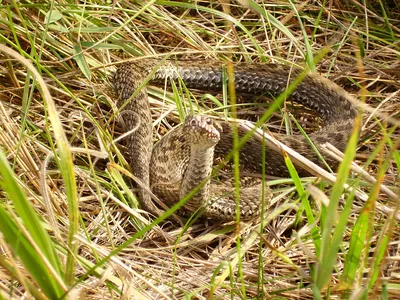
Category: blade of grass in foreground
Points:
column 64, row 162
column 305, row 202
column 330, row 244
column 377, row 263
column 354, row 255
column 40, row 259
column 358, row 242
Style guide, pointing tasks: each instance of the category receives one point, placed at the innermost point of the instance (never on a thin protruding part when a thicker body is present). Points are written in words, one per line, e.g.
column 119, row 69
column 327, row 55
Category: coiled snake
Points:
column 183, row 158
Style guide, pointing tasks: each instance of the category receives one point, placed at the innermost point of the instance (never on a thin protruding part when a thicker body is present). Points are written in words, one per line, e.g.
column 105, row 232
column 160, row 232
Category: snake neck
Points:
column 197, row 176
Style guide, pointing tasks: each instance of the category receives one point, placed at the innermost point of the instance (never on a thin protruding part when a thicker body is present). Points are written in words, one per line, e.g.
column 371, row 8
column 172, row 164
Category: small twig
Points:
column 137, row 124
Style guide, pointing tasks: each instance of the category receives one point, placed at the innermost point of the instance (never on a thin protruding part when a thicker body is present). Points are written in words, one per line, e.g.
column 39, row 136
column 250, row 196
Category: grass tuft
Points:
column 71, row 225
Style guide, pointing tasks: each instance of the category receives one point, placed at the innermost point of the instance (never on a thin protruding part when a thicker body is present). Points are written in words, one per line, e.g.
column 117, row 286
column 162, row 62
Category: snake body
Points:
column 183, row 158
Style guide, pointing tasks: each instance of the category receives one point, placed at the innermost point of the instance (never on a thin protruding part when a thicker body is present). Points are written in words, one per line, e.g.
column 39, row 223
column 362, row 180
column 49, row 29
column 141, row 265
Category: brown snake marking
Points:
column 178, row 163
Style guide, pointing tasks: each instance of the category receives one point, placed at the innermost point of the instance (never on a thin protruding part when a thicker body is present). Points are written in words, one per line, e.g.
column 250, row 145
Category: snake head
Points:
column 201, row 131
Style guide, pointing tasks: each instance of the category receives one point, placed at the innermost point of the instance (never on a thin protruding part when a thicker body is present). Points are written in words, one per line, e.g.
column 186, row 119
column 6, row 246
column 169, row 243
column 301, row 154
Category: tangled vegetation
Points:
column 70, row 223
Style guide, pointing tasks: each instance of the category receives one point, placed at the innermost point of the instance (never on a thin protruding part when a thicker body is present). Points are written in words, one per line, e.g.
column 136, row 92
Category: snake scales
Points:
column 183, row 158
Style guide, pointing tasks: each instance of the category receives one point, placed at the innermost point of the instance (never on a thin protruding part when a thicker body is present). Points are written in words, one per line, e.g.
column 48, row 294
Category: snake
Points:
column 180, row 164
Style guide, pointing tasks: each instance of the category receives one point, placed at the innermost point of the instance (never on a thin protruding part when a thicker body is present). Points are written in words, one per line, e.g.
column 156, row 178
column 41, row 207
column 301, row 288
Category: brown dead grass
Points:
column 171, row 263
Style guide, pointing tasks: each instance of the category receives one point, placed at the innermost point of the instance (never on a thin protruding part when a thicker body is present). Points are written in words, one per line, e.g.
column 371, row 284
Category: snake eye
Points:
column 209, row 121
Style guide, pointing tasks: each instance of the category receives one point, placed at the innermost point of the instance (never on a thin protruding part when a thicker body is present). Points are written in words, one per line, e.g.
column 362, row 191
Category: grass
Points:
column 70, row 222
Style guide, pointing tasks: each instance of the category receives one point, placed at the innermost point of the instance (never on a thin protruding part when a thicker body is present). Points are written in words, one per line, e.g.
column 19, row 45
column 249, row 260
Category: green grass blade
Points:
column 328, row 249
column 356, row 246
column 22, row 246
column 305, row 202
column 64, row 162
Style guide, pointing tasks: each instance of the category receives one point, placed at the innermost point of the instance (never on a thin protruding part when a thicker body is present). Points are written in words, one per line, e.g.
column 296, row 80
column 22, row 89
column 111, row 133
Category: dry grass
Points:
column 75, row 53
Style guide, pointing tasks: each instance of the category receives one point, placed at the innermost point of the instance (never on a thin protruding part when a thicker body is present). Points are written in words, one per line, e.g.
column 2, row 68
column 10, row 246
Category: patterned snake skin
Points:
column 183, row 158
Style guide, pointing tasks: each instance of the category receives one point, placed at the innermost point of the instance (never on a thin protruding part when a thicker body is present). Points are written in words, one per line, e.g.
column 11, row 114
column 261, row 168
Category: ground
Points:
column 71, row 222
